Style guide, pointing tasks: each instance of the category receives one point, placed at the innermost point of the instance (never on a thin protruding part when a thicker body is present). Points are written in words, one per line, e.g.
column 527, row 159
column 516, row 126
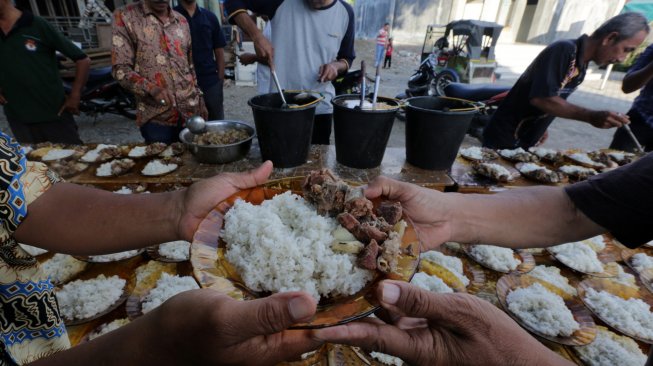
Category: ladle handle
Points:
column 363, row 83
column 377, row 81
column 276, row 82
column 634, row 138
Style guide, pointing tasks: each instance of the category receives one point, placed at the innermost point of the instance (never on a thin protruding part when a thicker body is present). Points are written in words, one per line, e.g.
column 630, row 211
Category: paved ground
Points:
column 512, row 58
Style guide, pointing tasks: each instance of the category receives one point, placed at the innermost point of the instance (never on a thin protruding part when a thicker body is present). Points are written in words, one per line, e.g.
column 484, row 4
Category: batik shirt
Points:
column 148, row 53
column 29, row 316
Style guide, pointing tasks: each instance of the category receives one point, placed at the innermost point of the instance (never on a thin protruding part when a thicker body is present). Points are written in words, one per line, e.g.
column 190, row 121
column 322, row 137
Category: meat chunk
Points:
column 369, row 232
column 325, row 192
column 359, row 207
column 390, row 211
column 348, row 221
column 367, row 258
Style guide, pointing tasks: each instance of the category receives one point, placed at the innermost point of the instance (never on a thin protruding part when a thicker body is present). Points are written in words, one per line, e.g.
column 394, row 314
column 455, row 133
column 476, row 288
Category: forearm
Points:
column 635, row 80
column 245, row 22
column 559, row 107
column 219, row 59
column 74, row 219
column 342, row 66
column 81, row 75
column 529, row 217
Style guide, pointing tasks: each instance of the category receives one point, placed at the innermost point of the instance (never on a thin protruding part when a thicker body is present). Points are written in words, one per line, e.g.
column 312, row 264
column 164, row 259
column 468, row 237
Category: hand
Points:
column 428, row 209
column 162, row 97
column 247, row 58
column 198, row 200
column 264, row 49
column 459, row 329
column 71, row 104
column 608, row 119
column 327, row 72
column 222, row 331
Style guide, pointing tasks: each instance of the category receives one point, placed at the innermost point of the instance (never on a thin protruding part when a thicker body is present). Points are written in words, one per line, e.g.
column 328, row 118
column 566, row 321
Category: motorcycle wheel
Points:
column 441, row 80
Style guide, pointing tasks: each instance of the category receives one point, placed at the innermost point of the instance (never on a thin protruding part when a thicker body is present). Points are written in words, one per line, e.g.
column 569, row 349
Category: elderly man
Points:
column 312, row 43
column 540, row 93
column 152, row 58
column 30, row 84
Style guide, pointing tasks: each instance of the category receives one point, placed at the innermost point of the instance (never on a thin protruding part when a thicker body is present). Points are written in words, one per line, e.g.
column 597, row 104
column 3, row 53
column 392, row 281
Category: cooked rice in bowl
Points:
column 284, row 245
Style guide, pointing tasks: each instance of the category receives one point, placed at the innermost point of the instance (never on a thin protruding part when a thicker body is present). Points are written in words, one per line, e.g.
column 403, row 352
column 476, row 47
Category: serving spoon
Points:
column 196, row 125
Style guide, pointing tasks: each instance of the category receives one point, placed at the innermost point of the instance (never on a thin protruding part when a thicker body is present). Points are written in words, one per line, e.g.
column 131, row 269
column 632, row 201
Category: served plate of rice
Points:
column 609, row 349
column 591, row 256
column 458, row 273
column 500, row 259
column 619, row 306
column 174, row 251
column 546, row 310
column 311, row 267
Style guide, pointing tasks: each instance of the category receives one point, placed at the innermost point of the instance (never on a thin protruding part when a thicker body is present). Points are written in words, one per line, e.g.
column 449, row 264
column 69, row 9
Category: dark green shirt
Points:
column 29, row 74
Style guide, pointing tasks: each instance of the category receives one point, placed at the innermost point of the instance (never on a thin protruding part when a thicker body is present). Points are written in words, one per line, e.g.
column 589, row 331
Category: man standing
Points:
column 641, row 112
column 208, row 54
column 312, row 43
column 152, row 58
column 31, row 90
column 540, row 93
column 381, row 43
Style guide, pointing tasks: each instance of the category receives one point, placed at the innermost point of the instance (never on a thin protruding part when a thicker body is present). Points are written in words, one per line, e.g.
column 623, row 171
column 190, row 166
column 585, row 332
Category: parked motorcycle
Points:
column 103, row 94
column 349, row 83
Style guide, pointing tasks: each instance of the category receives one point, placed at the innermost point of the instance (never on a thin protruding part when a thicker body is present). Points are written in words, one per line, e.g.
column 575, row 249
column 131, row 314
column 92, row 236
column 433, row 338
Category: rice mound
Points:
column 453, row 264
column 430, row 283
column 542, row 310
column 108, row 327
column 62, row 267
column 284, row 245
column 176, row 250
column 387, row 359
column 83, row 299
column 166, row 287
column 497, row 258
column 553, row 276
column 633, row 315
column 578, row 256
column 610, row 349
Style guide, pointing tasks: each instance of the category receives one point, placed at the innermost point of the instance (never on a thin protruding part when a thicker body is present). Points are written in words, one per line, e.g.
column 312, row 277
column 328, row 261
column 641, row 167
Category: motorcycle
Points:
column 349, row 83
column 486, row 96
column 102, row 94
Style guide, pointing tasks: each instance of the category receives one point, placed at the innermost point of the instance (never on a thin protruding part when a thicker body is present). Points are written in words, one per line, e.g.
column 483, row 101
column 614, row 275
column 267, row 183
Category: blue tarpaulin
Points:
column 643, row 6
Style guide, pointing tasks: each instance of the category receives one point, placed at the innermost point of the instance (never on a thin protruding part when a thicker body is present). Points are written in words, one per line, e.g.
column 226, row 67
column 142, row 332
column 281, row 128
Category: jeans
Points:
column 63, row 131
column 379, row 54
column 154, row 132
column 213, row 98
column 644, row 133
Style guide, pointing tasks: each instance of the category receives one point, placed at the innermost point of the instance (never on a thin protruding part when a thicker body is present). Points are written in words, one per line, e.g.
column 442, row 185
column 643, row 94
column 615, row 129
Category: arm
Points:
column 81, row 76
column 218, row 330
column 518, row 218
column 640, row 73
column 459, row 329
column 68, row 218
column 219, row 59
column 559, row 107
column 346, row 53
column 237, row 10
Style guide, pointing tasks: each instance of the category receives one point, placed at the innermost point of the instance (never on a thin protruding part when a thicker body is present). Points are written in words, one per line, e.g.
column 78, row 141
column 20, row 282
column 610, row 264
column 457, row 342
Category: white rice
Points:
column 512, row 153
column 124, row 190
column 157, row 167
column 453, row 264
column 531, row 167
column 166, row 287
column 596, row 243
column 430, row 283
column 167, row 153
column 91, row 156
column 284, row 245
column 543, row 152
column 137, row 152
column 62, row 267
column 472, row 152
column 575, row 170
column 641, row 262
column 387, row 359
column 57, row 154
column 108, row 327
column 500, row 170
column 578, row 256
column 82, row 299
column 498, row 258
column 584, row 158
column 175, row 250
column 624, row 278
column 609, row 349
column 114, row 256
column 33, row 251
column 542, row 310
column 552, row 275
column 631, row 316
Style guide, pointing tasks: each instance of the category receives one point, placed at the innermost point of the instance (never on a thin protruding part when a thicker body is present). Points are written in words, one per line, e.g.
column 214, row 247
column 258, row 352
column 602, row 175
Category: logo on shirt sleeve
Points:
column 30, row 45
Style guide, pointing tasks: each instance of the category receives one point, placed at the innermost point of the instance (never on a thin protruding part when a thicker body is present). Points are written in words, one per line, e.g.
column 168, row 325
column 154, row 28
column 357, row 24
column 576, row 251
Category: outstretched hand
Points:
column 203, row 196
column 428, row 209
column 442, row 329
column 608, row 119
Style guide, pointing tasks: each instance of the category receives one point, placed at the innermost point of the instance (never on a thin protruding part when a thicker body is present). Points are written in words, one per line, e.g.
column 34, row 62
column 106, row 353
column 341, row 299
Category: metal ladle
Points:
column 196, row 125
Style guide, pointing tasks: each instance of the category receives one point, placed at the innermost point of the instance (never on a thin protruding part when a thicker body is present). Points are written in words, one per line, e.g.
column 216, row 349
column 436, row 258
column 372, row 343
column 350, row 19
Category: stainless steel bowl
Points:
column 219, row 154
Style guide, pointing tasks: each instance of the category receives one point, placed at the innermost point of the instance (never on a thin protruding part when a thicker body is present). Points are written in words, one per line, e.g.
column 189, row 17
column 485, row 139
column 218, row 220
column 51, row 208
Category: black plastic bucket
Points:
column 361, row 135
column 435, row 128
column 284, row 135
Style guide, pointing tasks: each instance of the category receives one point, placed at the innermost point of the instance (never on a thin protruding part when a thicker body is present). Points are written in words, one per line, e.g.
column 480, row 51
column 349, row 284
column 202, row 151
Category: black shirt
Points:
column 556, row 71
column 206, row 35
column 620, row 201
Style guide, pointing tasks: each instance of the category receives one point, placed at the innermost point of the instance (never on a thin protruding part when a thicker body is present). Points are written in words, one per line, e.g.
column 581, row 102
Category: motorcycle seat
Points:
column 474, row 92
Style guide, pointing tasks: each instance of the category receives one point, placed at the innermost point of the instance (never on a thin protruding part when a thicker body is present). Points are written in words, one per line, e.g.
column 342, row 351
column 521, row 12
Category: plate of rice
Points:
column 619, row 306
column 174, row 251
column 151, row 294
column 546, row 310
column 593, row 256
column 113, row 257
column 610, row 349
column 638, row 260
column 294, row 241
column 90, row 298
column 458, row 273
column 500, row 259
